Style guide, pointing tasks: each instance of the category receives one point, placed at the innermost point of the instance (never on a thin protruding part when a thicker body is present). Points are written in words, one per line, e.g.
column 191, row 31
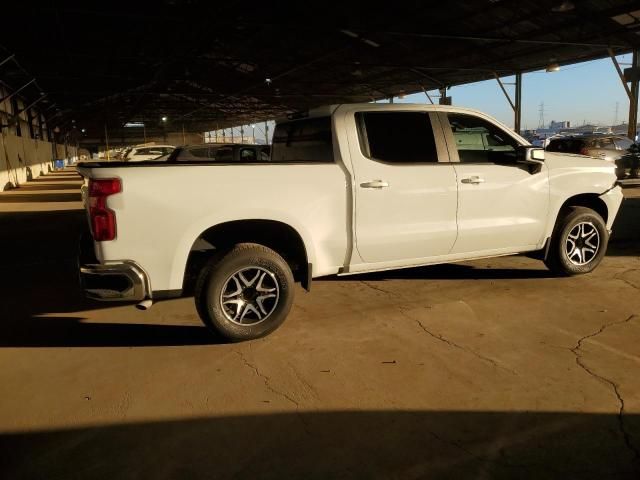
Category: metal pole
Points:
column 427, row 94
column 106, row 139
column 241, row 133
column 10, row 57
column 184, row 140
column 266, row 133
column 17, row 91
column 504, row 90
column 633, row 100
column 620, row 74
column 518, row 106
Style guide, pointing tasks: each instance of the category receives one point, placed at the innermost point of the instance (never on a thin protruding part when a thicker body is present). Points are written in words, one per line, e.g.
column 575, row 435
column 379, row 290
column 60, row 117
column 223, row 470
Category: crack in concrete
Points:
column 373, row 287
column 266, row 380
column 267, row 383
column 455, row 345
column 618, row 276
column 486, row 462
column 614, row 386
column 304, row 382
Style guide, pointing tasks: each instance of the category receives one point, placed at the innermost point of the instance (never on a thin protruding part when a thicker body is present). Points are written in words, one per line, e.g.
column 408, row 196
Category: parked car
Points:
column 219, row 152
column 348, row 189
column 140, row 153
column 616, row 149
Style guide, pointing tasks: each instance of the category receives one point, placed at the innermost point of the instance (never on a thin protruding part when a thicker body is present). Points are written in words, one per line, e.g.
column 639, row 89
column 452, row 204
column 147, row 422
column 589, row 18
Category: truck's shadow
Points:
column 339, row 444
column 67, row 331
column 449, row 271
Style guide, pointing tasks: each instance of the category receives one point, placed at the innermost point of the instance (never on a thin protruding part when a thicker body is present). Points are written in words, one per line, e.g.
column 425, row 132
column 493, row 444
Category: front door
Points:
column 502, row 204
column 405, row 187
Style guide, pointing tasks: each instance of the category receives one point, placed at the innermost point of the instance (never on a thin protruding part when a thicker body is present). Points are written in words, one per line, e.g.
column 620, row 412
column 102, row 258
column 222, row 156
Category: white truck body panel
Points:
column 425, row 215
column 157, row 226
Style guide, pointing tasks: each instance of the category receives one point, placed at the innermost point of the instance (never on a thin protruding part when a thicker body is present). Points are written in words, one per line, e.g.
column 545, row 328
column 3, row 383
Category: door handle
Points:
column 375, row 184
column 474, row 180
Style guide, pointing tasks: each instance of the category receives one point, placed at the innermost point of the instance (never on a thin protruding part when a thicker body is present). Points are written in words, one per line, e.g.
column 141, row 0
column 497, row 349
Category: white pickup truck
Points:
column 348, row 189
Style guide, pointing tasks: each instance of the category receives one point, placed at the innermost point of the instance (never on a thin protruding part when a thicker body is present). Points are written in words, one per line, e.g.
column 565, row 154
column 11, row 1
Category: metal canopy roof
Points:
column 208, row 64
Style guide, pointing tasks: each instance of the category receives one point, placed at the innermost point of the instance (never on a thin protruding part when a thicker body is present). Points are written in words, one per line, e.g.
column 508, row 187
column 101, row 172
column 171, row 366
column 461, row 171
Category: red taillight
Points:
column 102, row 219
column 584, row 151
column 104, row 187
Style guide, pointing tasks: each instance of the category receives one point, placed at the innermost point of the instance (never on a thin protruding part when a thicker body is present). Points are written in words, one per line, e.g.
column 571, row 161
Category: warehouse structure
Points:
column 81, row 73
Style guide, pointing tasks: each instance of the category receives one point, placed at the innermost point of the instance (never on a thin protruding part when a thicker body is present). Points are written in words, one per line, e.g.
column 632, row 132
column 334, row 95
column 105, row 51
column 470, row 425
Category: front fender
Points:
column 596, row 178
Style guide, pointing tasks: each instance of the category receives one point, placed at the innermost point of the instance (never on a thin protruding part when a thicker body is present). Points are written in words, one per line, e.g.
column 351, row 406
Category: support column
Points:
column 633, row 98
column 518, row 104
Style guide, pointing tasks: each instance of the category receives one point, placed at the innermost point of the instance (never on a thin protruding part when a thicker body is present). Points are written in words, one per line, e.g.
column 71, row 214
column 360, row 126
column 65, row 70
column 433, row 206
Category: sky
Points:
column 581, row 93
column 585, row 92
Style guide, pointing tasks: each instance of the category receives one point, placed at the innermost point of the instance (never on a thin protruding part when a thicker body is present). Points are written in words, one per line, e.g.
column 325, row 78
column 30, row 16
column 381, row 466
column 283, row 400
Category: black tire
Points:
column 262, row 312
column 563, row 259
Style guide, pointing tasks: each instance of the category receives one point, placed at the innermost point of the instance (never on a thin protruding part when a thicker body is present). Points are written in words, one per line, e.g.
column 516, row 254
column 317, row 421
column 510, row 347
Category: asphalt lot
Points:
column 486, row 369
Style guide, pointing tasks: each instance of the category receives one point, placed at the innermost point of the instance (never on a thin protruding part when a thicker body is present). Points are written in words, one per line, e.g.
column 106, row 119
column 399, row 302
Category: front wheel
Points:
column 246, row 293
column 578, row 243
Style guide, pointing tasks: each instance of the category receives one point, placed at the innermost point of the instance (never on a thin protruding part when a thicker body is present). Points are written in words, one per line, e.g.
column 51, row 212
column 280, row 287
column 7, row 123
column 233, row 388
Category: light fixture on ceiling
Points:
column 368, row 41
column 563, row 7
column 164, row 119
column 553, row 67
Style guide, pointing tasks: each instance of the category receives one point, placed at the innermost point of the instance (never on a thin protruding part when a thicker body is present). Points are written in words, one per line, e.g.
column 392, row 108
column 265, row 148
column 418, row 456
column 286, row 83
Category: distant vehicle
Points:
column 140, row 153
column 616, row 149
column 219, row 152
column 347, row 189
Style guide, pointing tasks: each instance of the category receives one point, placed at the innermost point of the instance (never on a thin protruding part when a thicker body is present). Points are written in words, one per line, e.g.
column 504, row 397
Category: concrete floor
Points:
column 487, row 369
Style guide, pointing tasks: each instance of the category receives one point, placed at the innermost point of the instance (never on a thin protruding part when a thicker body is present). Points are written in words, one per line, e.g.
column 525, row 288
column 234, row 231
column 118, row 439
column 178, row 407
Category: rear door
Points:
column 502, row 205
column 405, row 187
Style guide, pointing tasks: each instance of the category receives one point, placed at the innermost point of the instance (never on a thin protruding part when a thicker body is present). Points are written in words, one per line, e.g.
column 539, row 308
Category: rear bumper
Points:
column 120, row 281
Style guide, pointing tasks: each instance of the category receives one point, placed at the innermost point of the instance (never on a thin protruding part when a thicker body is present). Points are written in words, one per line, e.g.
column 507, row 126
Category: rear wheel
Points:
column 578, row 243
column 246, row 293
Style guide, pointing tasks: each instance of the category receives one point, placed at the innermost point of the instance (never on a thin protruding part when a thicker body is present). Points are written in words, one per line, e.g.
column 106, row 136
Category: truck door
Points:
column 405, row 187
column 502, row 204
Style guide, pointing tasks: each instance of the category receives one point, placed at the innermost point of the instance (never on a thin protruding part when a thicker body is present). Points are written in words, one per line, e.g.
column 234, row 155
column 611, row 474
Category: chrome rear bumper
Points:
column 125, row 280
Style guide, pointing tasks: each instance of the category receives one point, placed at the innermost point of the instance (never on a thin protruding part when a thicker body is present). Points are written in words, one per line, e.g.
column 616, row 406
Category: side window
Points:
column 607, row 143
column 199, row 152
column 224, row 155
column 397, row 137
column 247, row 155
column 307, row 140
column 480, row 141
column 264, row 154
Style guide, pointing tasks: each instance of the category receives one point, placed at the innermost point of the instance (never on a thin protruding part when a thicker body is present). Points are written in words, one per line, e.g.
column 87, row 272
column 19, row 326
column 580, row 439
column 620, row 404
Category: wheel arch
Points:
column 588, row 200
column 277, row 235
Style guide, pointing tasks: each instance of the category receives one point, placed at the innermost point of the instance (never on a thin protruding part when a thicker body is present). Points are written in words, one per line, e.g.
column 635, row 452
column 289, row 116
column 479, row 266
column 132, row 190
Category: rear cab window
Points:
column 308, row 140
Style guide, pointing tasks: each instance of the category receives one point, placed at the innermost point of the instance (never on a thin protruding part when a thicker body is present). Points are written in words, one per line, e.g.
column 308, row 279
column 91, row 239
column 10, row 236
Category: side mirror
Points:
column 530, row 155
